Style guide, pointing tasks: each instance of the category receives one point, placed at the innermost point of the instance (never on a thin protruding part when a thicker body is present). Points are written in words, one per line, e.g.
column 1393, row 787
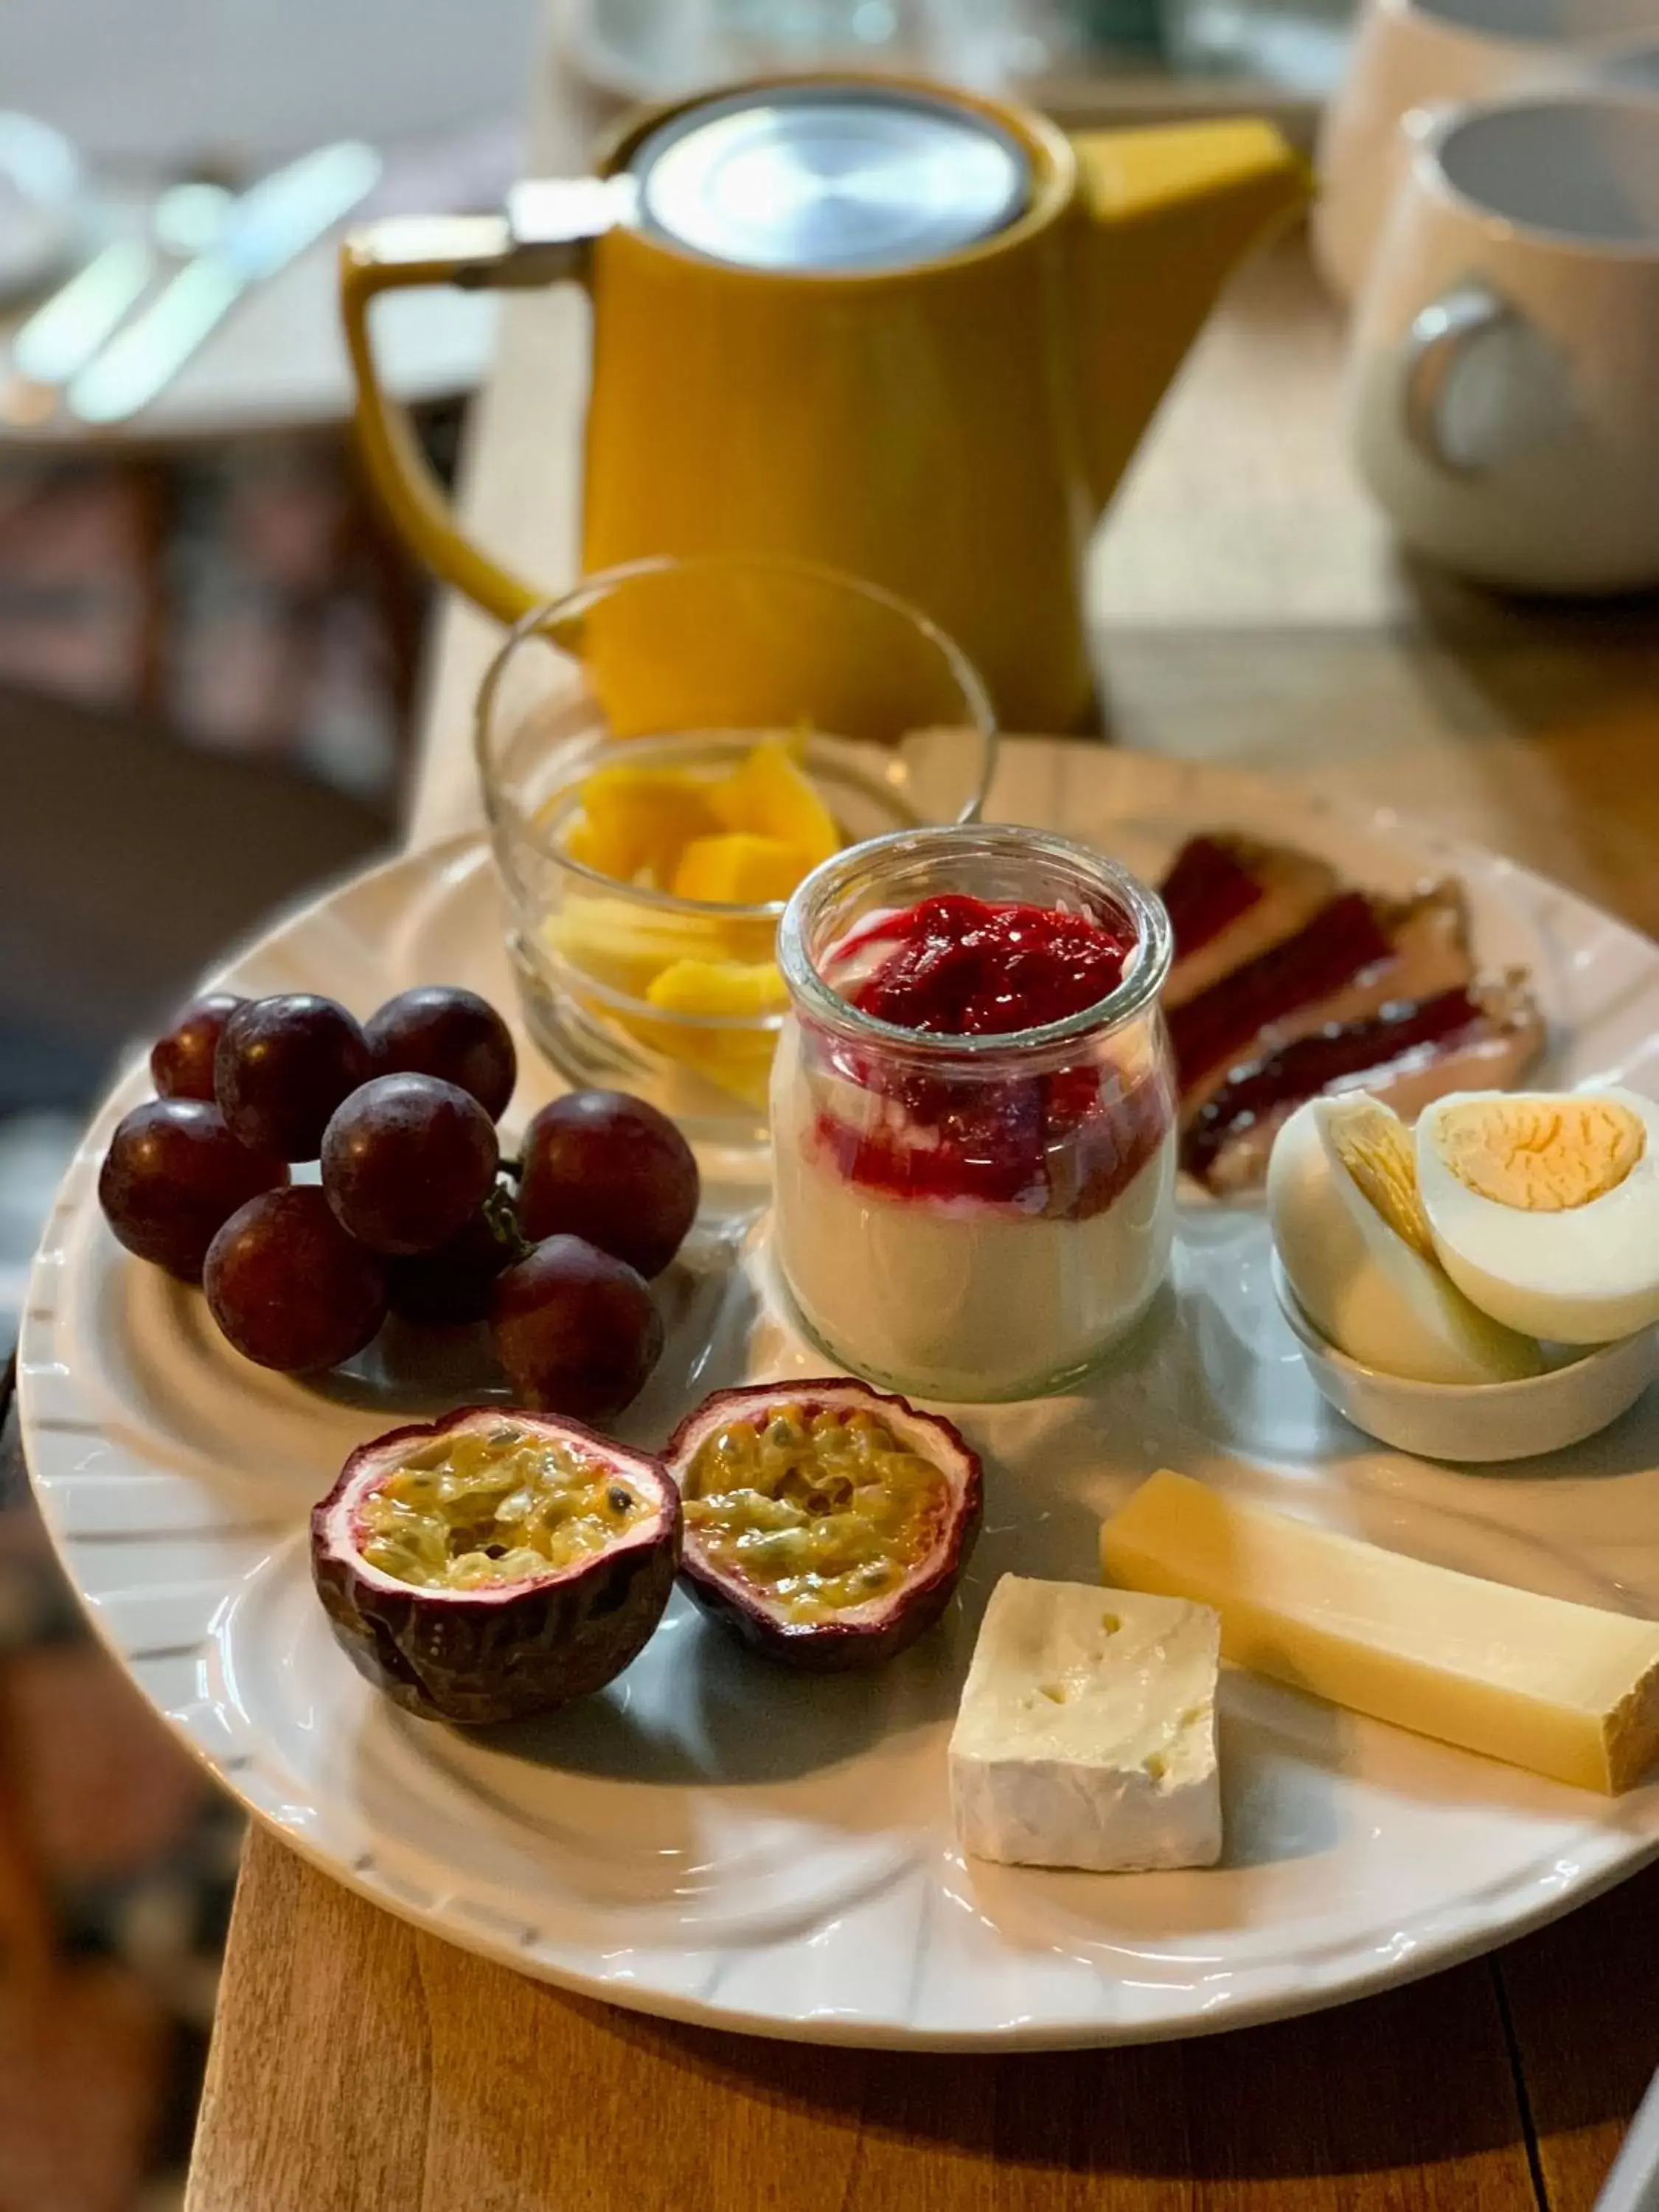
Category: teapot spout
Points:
column 1167, row 212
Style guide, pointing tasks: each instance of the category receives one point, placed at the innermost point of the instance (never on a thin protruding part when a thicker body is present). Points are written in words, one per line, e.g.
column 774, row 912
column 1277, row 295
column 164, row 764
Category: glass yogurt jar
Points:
column 973, row 1110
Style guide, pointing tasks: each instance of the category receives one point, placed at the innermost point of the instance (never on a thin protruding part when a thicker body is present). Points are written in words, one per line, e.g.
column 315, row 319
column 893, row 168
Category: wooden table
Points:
column 1250, row 610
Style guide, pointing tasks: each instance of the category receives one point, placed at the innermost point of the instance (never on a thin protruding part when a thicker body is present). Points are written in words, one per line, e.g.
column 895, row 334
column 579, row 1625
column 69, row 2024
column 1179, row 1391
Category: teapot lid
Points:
column 829, row 176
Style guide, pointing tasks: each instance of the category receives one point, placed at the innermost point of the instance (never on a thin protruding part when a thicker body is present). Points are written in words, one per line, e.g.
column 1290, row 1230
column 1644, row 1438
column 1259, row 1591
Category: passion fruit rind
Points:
column 869, row 1634
column 502, row 1651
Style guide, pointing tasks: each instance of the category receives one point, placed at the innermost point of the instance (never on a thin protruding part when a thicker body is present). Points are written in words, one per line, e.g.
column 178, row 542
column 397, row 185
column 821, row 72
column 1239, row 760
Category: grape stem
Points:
column 500, row 1212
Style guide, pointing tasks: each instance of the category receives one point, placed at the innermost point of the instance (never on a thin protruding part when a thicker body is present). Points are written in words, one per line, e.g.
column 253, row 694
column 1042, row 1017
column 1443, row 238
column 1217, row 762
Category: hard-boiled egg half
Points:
column 1355, row 1245
column 1544, row 1207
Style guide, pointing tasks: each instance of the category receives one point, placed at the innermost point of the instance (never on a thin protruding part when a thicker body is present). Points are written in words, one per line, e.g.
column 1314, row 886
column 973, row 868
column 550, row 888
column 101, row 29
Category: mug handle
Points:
column 546, row 237
column 1437, row 340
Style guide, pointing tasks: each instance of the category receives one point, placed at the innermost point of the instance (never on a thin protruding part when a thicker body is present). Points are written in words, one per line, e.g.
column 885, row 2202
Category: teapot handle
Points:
column 545, row 238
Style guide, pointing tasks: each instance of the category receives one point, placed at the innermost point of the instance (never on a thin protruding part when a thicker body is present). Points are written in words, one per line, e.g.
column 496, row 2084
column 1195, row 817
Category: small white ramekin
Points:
column 1471, row 1422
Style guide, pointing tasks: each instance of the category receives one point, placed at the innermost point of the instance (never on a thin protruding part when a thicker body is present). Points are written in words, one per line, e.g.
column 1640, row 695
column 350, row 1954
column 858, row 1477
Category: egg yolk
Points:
column 1374, row 1146
column 1540, row 1155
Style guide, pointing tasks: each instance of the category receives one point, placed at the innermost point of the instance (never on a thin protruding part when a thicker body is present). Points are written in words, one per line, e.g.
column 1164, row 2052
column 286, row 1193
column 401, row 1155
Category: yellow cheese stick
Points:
column 1564, row 1690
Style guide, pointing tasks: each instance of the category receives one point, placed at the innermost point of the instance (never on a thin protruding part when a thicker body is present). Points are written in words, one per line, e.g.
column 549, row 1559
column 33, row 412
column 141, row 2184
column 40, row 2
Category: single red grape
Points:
column 576, row 1331
column 172, row 1176
column 601, row 1165
column 407, row 1160
column 453, row 1284
column 182, row 1062
column 283, row 1066
column 440, row 1030
column 288, row 1287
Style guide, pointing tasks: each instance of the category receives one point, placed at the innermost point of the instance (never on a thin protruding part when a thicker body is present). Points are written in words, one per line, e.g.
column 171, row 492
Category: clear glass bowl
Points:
column 978, row 1217
column 674, row 673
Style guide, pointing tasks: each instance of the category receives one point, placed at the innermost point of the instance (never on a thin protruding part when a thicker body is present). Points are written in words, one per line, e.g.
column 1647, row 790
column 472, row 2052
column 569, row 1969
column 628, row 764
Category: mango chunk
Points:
column 627, row 946
column 725, row 990
column 746, row 838
column 770, row 796
column 641, row 820
column 585, row 842
column 738, row 869
column 737, row 1060
column 739, row 1064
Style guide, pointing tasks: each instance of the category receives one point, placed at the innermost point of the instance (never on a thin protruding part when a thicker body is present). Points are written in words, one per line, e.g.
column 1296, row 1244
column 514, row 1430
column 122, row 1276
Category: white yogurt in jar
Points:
column 973, row 1110
column 956, row 1298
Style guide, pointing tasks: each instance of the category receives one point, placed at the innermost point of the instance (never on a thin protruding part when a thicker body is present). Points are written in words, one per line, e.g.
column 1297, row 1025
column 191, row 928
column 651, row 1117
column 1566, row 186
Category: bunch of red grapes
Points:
column 415, row 1214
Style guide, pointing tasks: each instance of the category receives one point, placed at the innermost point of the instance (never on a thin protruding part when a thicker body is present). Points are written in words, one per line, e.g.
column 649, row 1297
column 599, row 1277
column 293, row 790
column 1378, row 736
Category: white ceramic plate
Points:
column 715, row 1840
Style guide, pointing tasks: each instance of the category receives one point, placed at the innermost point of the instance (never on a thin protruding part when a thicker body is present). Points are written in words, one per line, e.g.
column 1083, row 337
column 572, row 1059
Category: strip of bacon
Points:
column 1483, row 1038
column 1210, row 883
column 1231, row 898
column 1344, row 939
column 1355, row 955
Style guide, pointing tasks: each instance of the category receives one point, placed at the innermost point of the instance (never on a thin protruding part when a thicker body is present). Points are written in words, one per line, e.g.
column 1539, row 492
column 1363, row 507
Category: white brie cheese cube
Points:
column 1087, row 1732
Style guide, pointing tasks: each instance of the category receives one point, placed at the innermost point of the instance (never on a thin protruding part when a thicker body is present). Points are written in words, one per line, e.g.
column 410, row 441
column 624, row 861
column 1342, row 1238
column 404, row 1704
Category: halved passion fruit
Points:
column 495, row 1564
column 826, row 1524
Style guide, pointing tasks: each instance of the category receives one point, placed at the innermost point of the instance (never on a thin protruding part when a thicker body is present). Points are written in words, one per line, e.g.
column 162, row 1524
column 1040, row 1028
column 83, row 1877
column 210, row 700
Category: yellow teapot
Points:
column 904, row 332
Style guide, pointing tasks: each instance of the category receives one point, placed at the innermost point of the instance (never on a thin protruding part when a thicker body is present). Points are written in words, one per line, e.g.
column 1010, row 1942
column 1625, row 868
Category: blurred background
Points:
column 210, row 655
column 209, row 651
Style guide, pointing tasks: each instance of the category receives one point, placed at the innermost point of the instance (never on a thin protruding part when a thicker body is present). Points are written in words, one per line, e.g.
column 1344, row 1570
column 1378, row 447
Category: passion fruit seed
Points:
column 821, row 1508
column 474, row 1509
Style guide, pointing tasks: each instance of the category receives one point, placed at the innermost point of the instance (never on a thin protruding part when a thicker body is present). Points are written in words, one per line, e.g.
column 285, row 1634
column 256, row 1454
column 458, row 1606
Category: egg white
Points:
column 1363, row 1286
column 1585, row 1275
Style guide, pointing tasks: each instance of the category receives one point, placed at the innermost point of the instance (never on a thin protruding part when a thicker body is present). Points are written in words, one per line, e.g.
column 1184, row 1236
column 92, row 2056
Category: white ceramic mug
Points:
column 1504, row 372
column 1413, row 54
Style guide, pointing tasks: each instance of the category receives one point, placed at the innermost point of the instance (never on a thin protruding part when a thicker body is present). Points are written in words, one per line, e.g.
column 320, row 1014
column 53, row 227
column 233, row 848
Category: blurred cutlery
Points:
column 65, row 333
column 268, row 226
